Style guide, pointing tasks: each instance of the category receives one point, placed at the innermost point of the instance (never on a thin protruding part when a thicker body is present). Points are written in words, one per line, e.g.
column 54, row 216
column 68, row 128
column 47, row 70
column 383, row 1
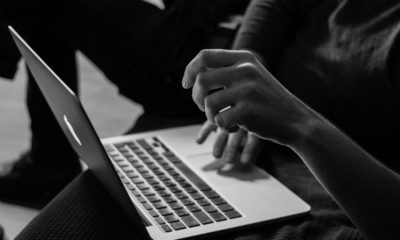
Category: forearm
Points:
column 268, row 26
column 368, row 191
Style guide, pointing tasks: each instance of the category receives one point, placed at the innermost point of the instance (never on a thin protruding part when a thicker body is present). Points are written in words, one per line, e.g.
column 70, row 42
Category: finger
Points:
column 230, row 119
column 251, row 149
column 220, row 143
column 211, row 59
column 204, row 131
column 233, row 147
column 209, row 81
column 221, row 101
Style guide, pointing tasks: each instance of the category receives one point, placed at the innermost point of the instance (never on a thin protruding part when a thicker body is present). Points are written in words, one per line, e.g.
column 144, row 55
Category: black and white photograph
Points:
column 200, row 119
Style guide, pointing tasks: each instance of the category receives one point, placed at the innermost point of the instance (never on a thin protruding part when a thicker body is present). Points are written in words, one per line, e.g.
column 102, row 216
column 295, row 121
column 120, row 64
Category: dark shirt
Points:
column 340, row 57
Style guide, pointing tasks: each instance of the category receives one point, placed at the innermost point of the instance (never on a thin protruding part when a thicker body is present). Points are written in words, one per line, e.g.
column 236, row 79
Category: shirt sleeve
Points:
column 269, row 24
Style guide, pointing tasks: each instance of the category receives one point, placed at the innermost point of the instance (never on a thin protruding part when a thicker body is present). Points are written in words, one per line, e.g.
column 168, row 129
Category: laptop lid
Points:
column 78, row 129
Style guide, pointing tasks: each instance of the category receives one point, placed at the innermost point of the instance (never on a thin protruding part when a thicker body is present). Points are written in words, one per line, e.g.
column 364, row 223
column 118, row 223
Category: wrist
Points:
column 305, row 128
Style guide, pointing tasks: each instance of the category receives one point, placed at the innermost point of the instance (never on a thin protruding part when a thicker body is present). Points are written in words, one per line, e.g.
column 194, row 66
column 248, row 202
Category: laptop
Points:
column 166, row 183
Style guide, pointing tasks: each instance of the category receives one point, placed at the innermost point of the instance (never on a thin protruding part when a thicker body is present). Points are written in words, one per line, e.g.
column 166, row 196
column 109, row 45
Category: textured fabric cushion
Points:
column 83, row 210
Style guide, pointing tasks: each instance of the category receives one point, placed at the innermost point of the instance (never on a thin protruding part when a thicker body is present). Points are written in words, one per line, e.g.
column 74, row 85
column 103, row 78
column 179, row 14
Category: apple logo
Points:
column 71, row 130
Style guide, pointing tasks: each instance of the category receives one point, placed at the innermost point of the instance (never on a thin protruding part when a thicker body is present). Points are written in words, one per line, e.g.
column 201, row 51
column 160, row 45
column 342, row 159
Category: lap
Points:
column 84, row 210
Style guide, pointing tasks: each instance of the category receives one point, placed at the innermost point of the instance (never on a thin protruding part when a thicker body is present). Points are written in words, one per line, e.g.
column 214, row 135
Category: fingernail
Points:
column 245, row 159
column 217, row 152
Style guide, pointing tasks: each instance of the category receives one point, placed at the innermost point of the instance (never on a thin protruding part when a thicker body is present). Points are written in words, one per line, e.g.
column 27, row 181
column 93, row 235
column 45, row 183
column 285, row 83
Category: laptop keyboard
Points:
column 166, row 187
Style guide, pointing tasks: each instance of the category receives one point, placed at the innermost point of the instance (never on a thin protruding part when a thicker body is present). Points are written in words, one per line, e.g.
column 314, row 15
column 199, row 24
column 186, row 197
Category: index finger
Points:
column 210, row 59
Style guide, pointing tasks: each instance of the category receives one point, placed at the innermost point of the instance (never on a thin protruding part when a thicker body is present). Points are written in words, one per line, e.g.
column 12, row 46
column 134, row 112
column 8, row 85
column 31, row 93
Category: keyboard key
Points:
column 203, row 202
column 173, row 173
column 130, row 186
column 127, row 169
column 168, row 184
column 153, row 213
column 174, row 159
column 187, row 202
column 136, row 193
column 153, row 182
column 217, row 216
column 178, row 225
column 225, row 207
column 193, row 208
column 175, row 190
column 165, row 179
column 147, row 176
column 137, row 181
column 182, row 212
column 179, row 179
column 165, row 211
column 159, row 205
column 158, row 173
column 175, row 206
column 181, row 195
column 190, row 190
column 210, row 209
column 166, row 228
column 142, row 171
column 190, row 221
column 218, row 201
column 137, row 165
column 232, row 214
column 158, row 188
column 132, row 175
column 164, row 193
column 143, row 143
column 154, row 167
column 148, row 193
column 196, row 196
column 171, row 218
column 159, row 220
column 142, row 186
column 184, row 184
column 147, row 206
column 203, row 218
column 153, row 199
column 169, row 199
column 211, row 194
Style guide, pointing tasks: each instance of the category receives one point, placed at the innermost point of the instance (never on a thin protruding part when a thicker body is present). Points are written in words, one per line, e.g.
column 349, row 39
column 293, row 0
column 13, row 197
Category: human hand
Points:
column 251, row 97
column 239, row 147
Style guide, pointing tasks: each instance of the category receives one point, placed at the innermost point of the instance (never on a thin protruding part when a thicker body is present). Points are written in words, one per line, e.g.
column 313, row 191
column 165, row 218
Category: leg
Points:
column 133, row 43
column 38, row 172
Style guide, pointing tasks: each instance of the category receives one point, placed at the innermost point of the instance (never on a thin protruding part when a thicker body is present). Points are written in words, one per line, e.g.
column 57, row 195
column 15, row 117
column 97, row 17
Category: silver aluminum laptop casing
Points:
column 258, row 196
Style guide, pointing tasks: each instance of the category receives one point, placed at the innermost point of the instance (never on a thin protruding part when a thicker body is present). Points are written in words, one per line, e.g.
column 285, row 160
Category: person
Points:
column 252, row 99
column 341, row 64
column 137, row 45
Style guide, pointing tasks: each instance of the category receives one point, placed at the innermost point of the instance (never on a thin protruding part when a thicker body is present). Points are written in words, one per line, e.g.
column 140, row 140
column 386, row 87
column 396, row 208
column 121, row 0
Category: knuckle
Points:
column 201, row 79
column 248, row 70
column 219, row 120
column 204, row 54
column 209, row 102
column 250, row 89
column 249, row 55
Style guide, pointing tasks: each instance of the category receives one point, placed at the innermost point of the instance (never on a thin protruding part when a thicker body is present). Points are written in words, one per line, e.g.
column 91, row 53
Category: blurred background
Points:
column 110, row 113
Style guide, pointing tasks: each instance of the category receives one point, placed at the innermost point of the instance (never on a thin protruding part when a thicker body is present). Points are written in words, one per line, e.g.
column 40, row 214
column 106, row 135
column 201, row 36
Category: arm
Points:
column 368, row 191
column 269, row 24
